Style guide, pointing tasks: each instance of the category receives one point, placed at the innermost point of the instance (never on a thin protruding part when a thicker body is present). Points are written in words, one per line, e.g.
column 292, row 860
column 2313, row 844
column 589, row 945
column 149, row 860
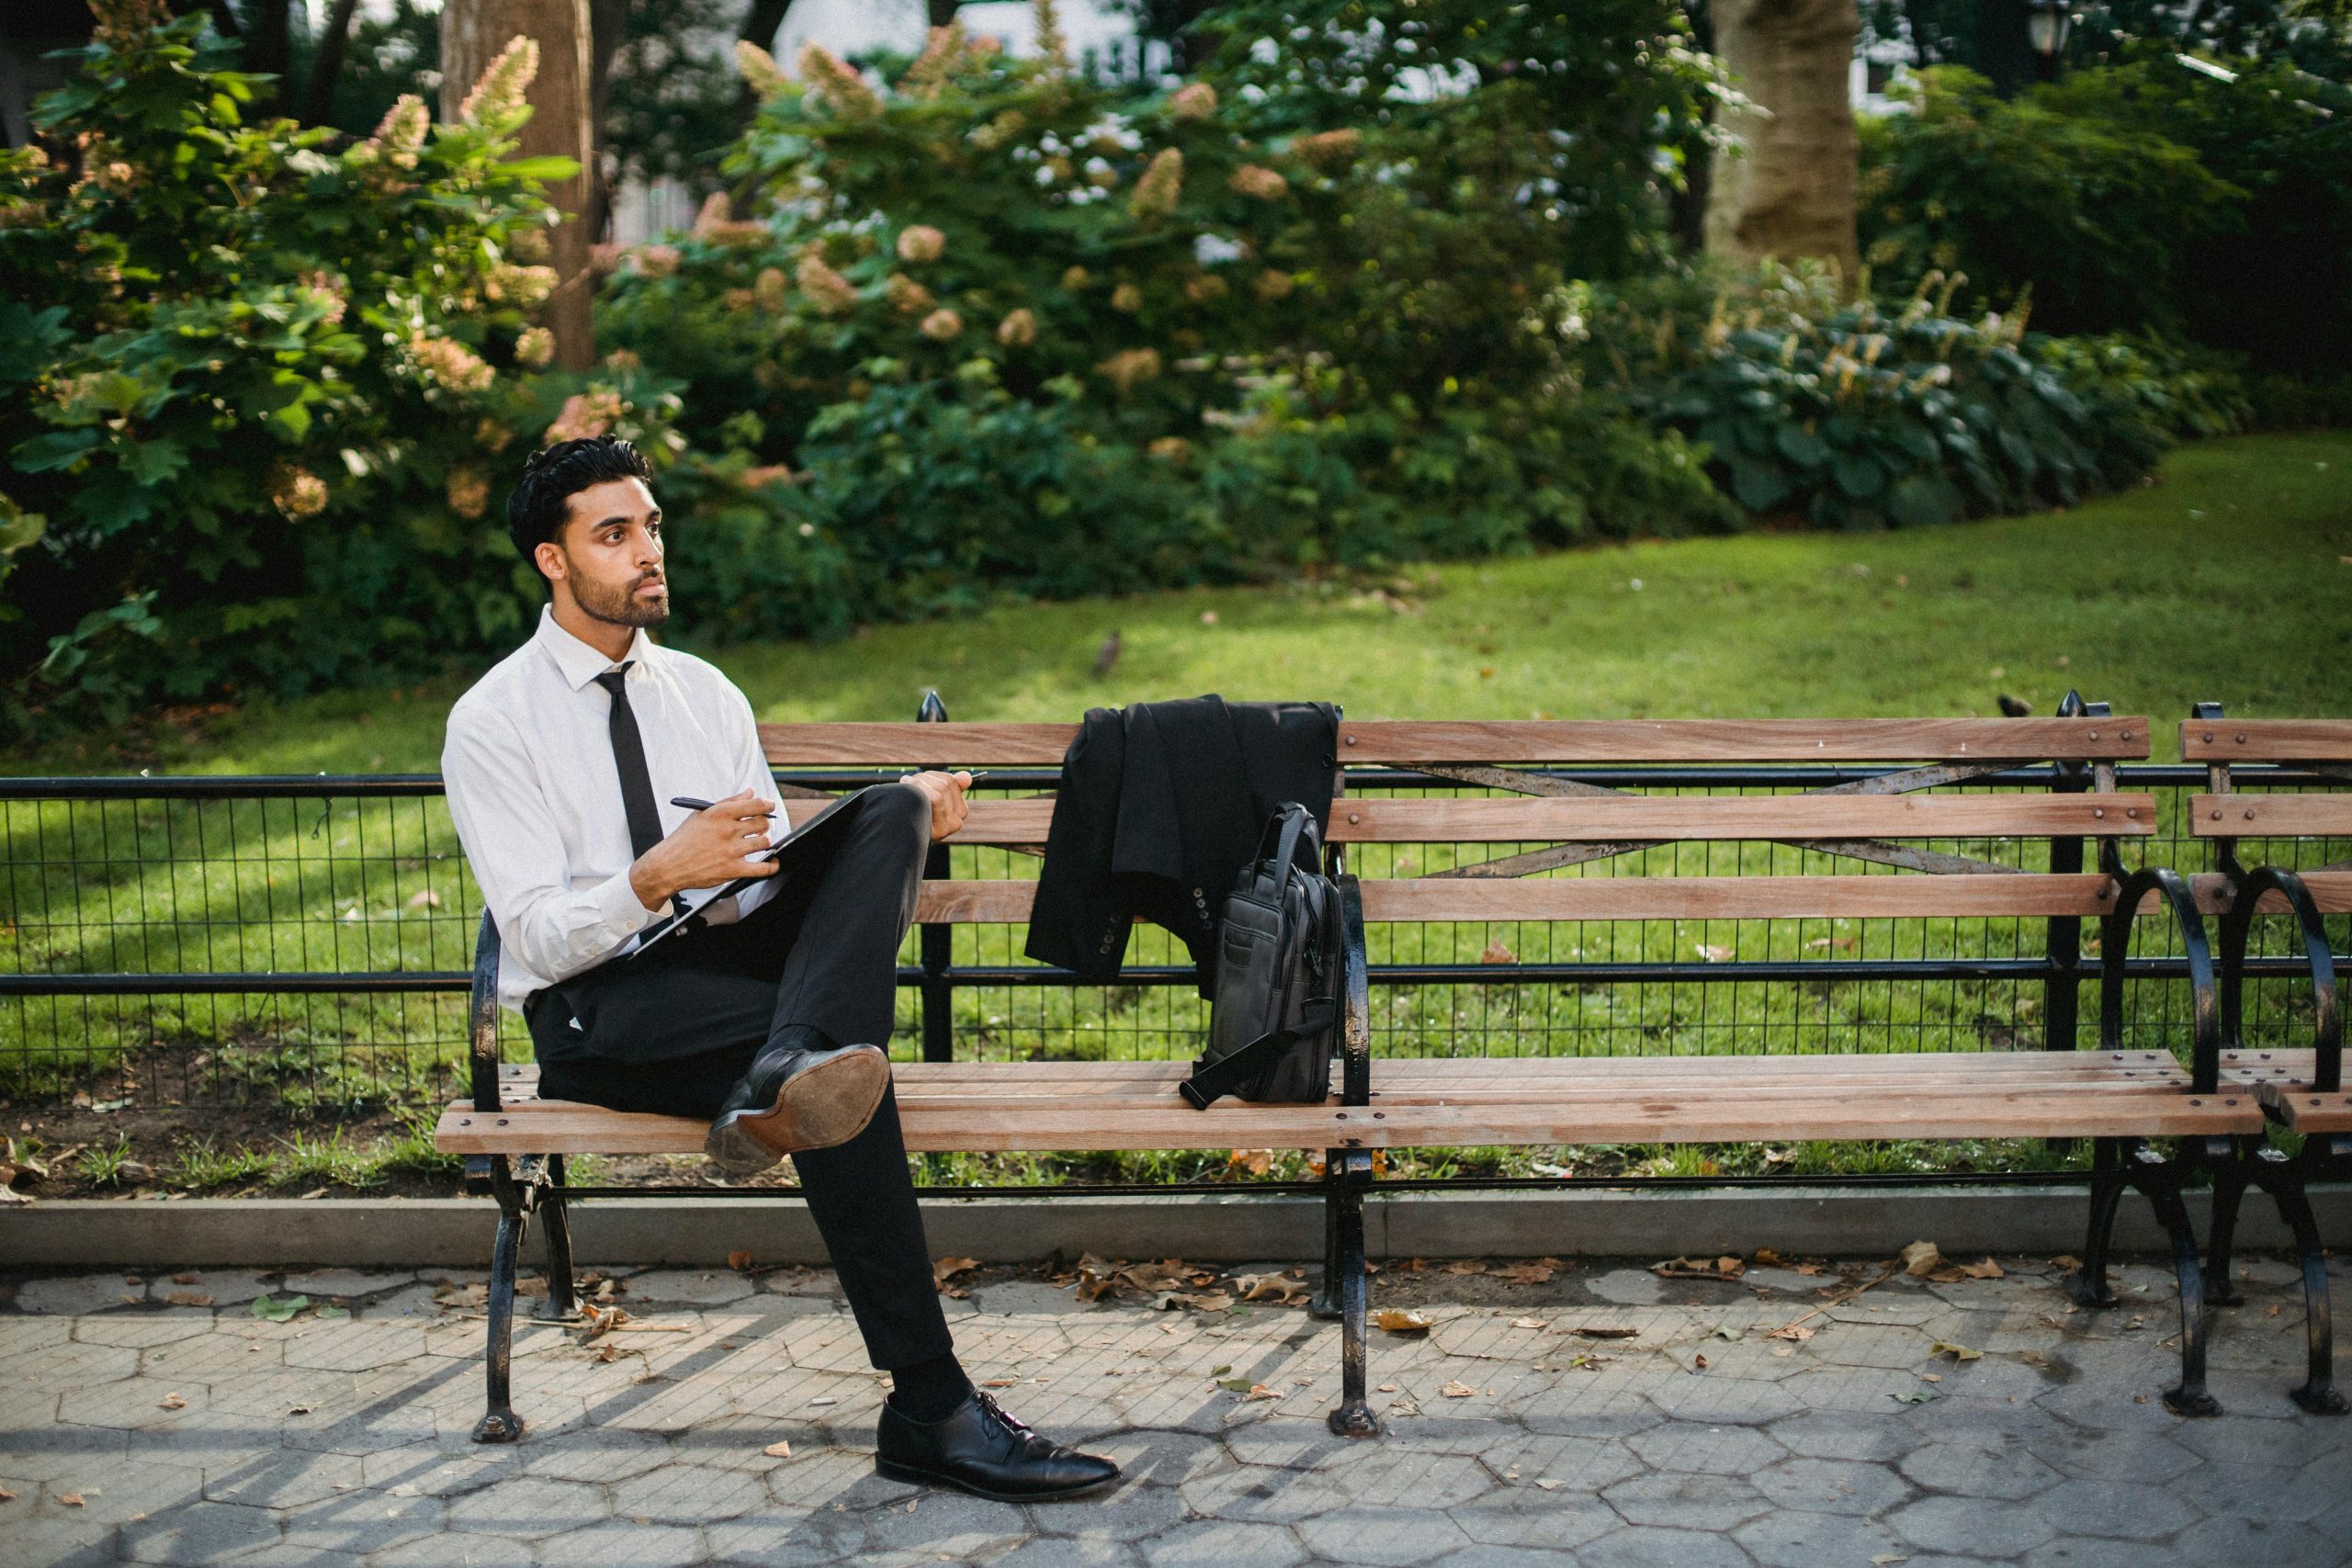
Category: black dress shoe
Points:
column 797, row 1100
column 980, row 1449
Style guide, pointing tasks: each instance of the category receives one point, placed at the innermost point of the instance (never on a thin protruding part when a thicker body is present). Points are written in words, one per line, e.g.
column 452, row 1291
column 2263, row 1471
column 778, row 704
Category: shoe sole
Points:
column 817, row 1107
column 893, row 1471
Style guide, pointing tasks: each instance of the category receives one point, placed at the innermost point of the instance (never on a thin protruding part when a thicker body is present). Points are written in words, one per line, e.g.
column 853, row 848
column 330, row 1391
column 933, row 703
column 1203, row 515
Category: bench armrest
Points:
column 2246, row 891
column 1355, row 1000
column 481, row 1017
column 2115, row 948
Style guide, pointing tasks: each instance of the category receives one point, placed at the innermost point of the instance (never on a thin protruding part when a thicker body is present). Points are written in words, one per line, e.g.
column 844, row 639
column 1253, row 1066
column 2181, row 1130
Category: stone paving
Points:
column 135, row 1428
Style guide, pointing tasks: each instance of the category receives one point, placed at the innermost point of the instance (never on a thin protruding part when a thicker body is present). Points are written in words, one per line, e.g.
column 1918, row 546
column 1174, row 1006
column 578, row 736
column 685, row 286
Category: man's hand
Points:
column 948, row 806
column 709, row 848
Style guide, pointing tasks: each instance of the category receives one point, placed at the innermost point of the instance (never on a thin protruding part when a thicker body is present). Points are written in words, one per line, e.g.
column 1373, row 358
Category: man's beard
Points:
column 621, row 607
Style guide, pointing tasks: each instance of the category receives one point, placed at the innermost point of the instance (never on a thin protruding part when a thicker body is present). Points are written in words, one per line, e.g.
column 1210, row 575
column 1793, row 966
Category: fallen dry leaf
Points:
column 171, row 1402
column 1498, row 952
column 778, row 1449
column 1457, row 1390
column 1723, row 1267
column 298, row 1410
column 1767, row 1259
column 1269, row 1288
column 71, row 1499
column 1531, row 1323
column 188, row 1299
column 1597, row 1331
column 1797, row 1331
column 1465, row 1266
column 740, row 1261
column 1387, row 1388
column 7, row 1496
column 1524, row 1273
column 1700, row 1361
column 946, row 1268
column 1957, row 1352
column 1548, row 1485
column 608, row 1351
column 1402, row 1320
column 183, row 1279
column 1921, row 1259
column 1259, row 1391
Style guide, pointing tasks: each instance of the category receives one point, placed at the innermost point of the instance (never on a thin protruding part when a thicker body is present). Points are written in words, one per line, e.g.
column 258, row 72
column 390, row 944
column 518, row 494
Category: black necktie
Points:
column 628, row 755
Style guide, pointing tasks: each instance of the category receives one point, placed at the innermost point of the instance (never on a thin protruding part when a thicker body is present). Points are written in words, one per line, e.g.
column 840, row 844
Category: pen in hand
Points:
column 691, row 804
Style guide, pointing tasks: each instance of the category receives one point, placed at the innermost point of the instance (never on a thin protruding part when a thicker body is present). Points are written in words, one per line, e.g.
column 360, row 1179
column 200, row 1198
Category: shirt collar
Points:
column 576, row 661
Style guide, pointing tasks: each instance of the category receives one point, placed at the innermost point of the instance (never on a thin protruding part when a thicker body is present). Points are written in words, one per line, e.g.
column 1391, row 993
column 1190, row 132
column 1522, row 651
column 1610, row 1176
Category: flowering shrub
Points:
column 254, row 383
column 1850, row 414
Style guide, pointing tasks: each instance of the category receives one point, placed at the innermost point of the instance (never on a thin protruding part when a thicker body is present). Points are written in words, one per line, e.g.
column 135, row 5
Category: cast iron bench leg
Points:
column 2162, row 1180
column 1325, row 1304
column 499, row 1423
column 2285, row 1182
column 2087, row 1285
column 1353, row 1419
column 2230, row 1179
column 558, row 1305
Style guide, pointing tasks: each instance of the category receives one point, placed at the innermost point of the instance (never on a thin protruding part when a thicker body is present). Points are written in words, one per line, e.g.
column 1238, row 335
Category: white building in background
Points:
column 644, row 209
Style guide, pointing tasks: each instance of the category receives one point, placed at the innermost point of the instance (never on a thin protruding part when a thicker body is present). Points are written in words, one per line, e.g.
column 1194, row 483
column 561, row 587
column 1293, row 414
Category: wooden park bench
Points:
column 1873, row 832
column 2302, row 1090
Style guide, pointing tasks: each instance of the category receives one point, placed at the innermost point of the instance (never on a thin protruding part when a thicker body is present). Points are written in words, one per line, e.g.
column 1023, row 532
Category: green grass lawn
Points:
column 2229, row 580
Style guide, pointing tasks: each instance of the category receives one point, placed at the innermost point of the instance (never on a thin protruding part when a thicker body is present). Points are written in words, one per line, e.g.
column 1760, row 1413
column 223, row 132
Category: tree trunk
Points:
column 608, row 29
column 1793, row 193
column 326, row 64
column 473, row 33
column 761, row 20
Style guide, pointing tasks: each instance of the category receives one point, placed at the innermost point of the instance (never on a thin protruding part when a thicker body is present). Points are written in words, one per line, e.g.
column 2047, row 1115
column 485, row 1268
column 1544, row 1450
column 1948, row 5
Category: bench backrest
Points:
column 1883, row 818
column 2321, row 747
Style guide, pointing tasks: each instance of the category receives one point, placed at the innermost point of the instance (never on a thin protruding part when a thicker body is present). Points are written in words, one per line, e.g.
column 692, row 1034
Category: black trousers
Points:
column 673, row 1030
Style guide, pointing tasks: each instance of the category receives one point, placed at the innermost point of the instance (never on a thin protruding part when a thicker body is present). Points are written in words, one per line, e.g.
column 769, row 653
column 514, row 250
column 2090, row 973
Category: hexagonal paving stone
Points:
column 601, row 1454
column 1640, row 1546
column 1398, row 1537
column 77, row 1295
column 1525, row 1514
column 1257, row 1493
column 1832, row 1485
column 1966, row 1526
column 2123, row 1509
column 527, row 1507
column 2118, row 1456
column 780, row 1537
column 136, row 1329
column 688, row 1495
column 361, row 1522
column 681, row 1287
column 1578, row 1466
column 1628, row 1287
column 623, row 1545
column 1089, row 1551
column 2279, row 1495
column 1981, row 1468
column 200, row 1534
column 947, row 1524
column 282, row 1480
column 2258, row 1541
column 1221, row 1544
column 1685, row 1502
column 1812, row 1540
column 356, row 1345
column 1821, row 1434
column 1705, row 1449
column 1725, row 1401
column 325, row 1284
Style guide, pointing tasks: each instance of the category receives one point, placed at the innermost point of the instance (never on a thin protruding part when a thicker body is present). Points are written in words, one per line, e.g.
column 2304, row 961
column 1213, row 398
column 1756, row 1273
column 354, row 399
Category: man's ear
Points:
column 550, row 559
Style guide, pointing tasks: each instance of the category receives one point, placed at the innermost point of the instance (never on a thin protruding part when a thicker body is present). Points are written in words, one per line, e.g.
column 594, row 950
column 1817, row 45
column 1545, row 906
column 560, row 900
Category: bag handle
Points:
column 1290, row 823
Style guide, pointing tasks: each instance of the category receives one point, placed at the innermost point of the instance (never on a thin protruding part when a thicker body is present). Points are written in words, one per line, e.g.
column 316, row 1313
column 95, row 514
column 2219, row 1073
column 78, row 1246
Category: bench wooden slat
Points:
column 1402, row 743
column 1503, row 900
column 1612, row 818
column 2270, row 815
column 2266, row 740
column 1603, row 1100
column 2282, row 1081
column 1396, row 743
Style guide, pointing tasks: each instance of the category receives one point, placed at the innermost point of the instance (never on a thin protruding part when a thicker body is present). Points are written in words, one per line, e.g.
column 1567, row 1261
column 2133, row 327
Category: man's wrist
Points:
column 651, row 891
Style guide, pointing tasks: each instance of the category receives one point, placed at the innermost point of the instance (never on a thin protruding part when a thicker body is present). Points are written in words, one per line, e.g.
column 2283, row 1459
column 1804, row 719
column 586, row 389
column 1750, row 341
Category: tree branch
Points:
column 318, row 92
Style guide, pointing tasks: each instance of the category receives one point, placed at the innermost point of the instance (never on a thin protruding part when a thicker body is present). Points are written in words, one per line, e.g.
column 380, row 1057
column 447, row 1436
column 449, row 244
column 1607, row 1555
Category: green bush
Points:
column 254, row 383
column 2139, row 195
column 1848, row 414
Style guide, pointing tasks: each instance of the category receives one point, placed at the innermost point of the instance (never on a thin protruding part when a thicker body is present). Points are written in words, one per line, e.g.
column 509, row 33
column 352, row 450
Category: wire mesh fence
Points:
column 304, row 942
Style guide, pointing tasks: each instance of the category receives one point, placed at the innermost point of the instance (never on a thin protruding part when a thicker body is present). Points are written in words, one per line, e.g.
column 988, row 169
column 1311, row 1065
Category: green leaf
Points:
column 1914, row 1396
column 548, row 169
column 275, row 1311
column 1859, row 474
column 1802, row 447
column 1758, row 486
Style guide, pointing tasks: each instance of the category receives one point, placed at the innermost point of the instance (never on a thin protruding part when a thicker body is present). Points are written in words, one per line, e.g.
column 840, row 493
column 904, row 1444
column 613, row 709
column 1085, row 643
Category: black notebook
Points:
column 805, row 842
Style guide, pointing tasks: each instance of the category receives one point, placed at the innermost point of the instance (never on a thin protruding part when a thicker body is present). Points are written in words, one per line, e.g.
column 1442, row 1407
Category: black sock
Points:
column 799, row 1037
column 929, row 1391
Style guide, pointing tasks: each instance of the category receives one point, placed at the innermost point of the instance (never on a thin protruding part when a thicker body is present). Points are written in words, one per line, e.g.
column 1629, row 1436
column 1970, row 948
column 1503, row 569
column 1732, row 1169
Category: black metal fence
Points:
column 217, row 942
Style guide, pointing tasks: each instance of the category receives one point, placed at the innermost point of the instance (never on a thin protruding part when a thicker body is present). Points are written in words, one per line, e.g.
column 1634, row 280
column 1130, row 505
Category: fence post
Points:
column 938, row 941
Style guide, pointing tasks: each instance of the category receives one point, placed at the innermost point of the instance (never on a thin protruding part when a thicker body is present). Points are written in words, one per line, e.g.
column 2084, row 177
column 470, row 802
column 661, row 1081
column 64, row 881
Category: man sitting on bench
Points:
column 769, row 1012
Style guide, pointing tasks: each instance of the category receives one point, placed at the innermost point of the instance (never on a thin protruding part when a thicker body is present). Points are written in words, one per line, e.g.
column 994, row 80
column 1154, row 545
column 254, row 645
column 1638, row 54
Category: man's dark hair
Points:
column 536, row 507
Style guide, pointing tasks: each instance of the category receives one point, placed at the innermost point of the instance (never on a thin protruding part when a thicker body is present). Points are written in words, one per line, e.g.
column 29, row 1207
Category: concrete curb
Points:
column 1209, row 1227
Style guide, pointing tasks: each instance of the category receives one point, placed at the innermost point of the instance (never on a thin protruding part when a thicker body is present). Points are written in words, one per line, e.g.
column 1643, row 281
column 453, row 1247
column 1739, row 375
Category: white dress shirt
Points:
column 537, row 797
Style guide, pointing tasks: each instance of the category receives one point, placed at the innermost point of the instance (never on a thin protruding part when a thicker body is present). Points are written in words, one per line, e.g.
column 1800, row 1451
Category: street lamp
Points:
column 2045, row 29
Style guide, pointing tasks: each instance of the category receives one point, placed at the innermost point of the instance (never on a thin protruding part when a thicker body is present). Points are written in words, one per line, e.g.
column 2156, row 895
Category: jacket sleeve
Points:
column 506, row 826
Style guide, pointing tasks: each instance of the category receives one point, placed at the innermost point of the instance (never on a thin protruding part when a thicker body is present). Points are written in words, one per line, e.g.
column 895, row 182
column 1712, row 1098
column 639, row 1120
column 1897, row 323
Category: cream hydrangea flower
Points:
column 843, row 90
column 1163, row 183
column 1194, row 100
column 827, row 289
column 1018, row 330
column 921, row 243
column 943, row 325
column 761, row 72
column 499, row 92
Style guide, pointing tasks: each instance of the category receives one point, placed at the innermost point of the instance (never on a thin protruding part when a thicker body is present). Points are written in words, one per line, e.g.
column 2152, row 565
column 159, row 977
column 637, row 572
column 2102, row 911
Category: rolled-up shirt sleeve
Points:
column 752, row 772
column 509, row 834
